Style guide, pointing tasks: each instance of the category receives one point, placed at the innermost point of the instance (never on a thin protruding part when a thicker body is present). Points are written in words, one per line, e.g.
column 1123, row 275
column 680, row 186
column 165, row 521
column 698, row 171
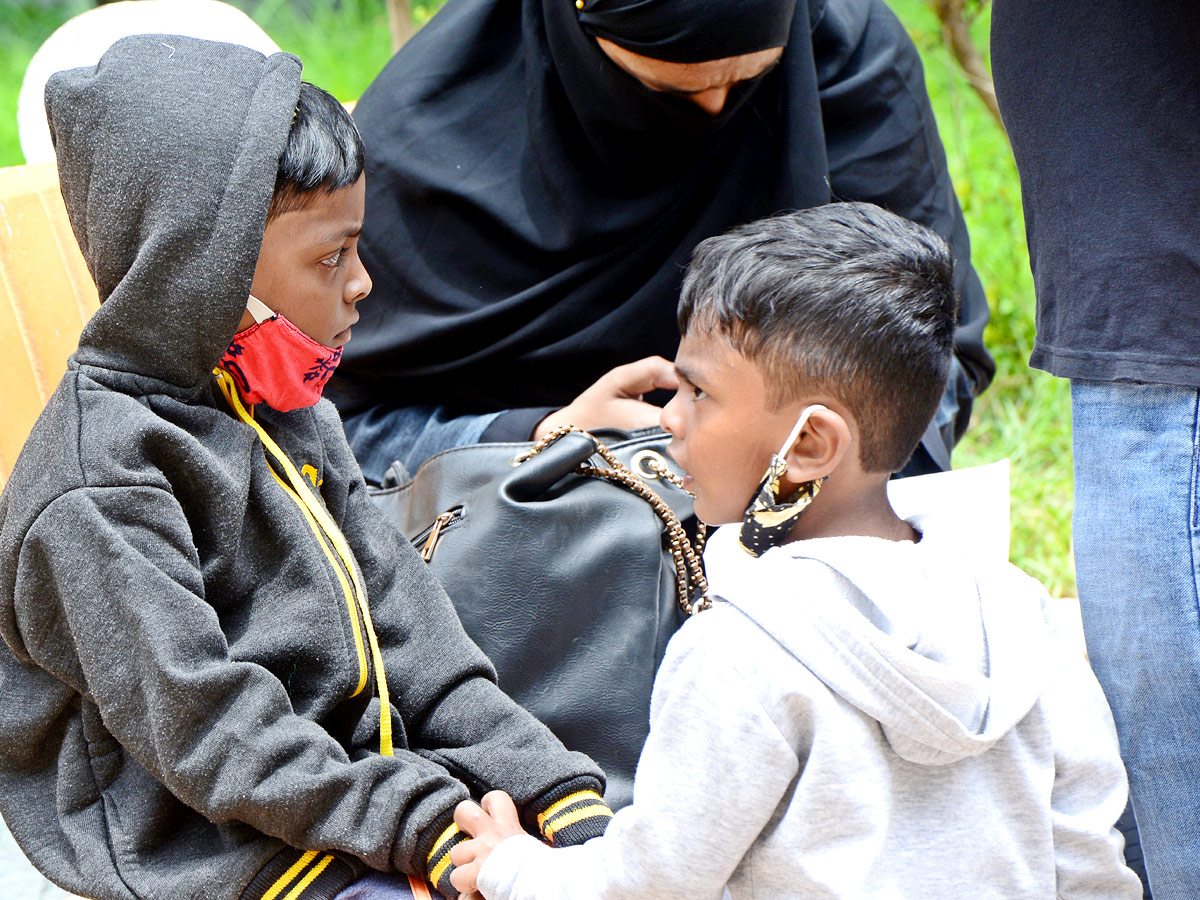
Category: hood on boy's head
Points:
column 167, row 155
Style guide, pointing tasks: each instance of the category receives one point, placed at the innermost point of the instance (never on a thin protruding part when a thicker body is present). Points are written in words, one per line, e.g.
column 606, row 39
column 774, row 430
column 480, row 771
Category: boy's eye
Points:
column 335, row 259
column 697, row 393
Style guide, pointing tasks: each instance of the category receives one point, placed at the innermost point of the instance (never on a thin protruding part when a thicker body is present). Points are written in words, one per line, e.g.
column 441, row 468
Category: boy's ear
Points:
column 820, row 447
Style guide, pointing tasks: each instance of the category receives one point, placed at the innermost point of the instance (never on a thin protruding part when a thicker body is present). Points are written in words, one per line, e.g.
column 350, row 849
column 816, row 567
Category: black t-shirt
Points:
column 1102, row 104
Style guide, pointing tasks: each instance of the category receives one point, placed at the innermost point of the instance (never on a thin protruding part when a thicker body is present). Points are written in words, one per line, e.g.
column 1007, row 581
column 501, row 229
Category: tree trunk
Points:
column 956, row 33
column 400, row 22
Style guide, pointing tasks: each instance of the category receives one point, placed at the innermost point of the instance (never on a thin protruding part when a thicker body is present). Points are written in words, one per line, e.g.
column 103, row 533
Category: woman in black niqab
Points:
column 531, row 205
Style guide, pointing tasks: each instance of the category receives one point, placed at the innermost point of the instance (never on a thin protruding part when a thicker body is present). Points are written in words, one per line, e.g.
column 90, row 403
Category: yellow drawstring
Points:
column 316, row 513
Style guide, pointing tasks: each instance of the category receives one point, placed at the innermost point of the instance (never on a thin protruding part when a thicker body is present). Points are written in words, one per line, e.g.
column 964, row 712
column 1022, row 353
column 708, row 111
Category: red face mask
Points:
column 276, row 363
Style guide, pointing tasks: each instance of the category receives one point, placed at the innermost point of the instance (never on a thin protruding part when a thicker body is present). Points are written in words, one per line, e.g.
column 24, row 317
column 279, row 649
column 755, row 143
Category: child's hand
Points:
column 487, row 825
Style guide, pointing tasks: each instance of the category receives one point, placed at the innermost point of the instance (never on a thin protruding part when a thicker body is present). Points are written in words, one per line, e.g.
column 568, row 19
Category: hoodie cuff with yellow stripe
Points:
column 572, row 813
column 300, row 875
column 434, row 849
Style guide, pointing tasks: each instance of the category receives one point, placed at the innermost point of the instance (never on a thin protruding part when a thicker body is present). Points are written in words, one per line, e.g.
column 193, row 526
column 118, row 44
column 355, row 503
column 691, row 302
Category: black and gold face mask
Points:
column 769, row 518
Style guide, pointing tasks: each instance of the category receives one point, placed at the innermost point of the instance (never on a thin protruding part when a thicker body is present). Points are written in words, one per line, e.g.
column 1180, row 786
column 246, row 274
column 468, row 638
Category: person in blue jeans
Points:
column 1103, row 111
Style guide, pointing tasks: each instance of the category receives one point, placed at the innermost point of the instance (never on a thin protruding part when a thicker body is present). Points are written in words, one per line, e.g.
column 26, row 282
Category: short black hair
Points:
column 324, row 150
column 847, row 298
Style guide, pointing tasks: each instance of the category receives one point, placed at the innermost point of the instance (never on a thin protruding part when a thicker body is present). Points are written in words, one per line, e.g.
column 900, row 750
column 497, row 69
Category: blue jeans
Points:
column 386, row 886
column 381, row 435
column 1137, row 553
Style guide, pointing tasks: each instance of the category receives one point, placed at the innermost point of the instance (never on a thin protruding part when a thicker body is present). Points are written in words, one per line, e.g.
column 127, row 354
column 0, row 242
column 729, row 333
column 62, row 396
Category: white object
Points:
column 19, row 880
column 975, row 500
column 82, row 40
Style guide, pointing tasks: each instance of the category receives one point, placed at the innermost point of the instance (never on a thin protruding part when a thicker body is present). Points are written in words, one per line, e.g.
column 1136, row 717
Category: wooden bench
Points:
column 46, row 297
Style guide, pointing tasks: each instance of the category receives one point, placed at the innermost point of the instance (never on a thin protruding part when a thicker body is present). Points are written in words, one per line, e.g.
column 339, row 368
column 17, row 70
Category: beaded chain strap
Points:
column 689, row 573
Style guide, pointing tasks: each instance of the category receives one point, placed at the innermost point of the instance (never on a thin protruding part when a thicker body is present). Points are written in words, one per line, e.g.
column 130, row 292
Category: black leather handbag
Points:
column 569, row 565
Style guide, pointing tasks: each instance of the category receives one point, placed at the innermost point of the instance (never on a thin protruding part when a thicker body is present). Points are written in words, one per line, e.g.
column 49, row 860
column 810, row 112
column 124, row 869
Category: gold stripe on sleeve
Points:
column 570, row 799
column 440, row 869
column 451, row 830
column 286, row 878
column 308, row 878
column 591, row 811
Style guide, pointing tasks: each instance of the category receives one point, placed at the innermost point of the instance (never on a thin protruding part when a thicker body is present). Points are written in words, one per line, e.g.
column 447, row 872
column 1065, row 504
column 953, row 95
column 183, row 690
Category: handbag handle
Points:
column 689, row 573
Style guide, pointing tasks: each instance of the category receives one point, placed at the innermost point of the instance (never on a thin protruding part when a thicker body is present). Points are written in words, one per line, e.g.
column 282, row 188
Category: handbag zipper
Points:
column 435, row 531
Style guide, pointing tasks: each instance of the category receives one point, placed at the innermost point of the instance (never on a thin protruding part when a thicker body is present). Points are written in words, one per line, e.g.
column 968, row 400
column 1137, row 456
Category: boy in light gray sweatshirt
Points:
column 868, row 710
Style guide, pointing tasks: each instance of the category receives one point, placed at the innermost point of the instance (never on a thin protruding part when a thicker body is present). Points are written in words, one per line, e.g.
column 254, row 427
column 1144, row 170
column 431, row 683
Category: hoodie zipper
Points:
column 328, row 535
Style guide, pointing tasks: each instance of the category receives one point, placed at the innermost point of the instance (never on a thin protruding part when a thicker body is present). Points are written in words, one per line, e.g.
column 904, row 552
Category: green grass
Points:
column 1025, row 416
column 343, row 43
column 343, row 47
column 25, row 25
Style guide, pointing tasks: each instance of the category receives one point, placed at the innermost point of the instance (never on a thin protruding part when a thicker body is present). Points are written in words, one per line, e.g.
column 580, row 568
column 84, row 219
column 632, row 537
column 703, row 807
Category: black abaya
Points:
column 531, row 206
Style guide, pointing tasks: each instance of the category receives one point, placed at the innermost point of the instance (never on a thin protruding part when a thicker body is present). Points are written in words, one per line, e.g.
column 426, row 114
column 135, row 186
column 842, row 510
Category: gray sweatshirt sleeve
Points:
column 709, row 779
column 444, row 690
column 111, row 600
column 443, row 685
column 1090, row 786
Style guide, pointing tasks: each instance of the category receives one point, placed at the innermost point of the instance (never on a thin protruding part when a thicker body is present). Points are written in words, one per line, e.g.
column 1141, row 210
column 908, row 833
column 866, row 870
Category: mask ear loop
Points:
column 259, row 310
column 797, row 428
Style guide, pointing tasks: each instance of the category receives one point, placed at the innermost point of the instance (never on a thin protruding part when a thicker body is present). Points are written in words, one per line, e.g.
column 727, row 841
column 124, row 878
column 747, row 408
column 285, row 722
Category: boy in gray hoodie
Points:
column 869, row 709
column 225, row 675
